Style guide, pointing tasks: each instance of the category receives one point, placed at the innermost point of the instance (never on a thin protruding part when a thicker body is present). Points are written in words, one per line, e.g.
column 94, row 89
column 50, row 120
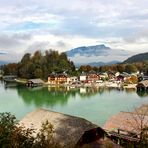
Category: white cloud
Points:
column 65, row 24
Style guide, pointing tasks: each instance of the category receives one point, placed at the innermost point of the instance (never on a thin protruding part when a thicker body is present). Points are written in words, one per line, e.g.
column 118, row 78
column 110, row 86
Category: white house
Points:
column 83, row 77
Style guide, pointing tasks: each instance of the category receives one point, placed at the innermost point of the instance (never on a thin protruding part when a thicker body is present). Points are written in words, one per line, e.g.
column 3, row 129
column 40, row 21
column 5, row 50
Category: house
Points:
column 58, row 78
column 52, row 78
column 83, row 77
column 141, row 78
column 63, row 78
column 142, row 86
column 111, row 75
column 92, row 77
column 103, row 76
column 69, row 131
column 123, row 77
column 34, row 82
column 73, row 79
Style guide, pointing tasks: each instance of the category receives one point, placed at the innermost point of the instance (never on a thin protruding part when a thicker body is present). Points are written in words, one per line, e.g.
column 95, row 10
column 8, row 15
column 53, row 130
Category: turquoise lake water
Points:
column 94, row 104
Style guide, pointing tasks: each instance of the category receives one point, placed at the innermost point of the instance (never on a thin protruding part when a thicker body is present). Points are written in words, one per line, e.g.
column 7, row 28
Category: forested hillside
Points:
column 39, row 65
column 137, row 58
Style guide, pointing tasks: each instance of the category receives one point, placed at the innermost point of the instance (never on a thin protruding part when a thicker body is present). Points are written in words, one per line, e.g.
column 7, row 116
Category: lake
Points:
column 94, row 104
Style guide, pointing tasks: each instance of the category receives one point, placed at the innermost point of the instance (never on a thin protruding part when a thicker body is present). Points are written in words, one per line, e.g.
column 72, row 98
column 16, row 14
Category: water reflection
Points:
column 142, row 93
column 50, row 96
column 43, row 97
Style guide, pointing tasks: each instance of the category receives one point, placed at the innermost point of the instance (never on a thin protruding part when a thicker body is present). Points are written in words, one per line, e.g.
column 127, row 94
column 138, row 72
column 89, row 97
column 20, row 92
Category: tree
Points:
column 13, row 135
column 139, row 123
column 26, row 58
column 38, row 73
column 121, row 68
column 40, row 65
column 10, row 69
column 130, row 68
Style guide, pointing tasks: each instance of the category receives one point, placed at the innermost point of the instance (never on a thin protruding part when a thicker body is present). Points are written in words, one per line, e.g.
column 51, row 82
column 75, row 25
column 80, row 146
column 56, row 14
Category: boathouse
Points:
column 126, row 126
column 142, row 86
column 34, row 82
column 69, row 131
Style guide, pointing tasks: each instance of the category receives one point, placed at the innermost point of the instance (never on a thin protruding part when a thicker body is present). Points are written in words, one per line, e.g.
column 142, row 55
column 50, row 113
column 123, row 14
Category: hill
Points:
column 137, row 58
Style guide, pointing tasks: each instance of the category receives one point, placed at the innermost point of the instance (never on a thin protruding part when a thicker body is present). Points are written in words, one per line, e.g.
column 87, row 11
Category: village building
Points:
column 83, row 77
column 73, row 79
column 123, row 77
column 120, row 78
column 92, row 77
column 111, row 75
column 58, row 78
column 142, row 86
column 69, row 131
column 103, row 76
column 142, row 77
column 34, row 82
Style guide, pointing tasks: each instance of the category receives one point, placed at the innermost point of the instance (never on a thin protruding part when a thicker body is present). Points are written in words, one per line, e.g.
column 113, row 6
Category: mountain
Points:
column 88, row 51
column 137, row 58
column 97, row 64
column 96, row 54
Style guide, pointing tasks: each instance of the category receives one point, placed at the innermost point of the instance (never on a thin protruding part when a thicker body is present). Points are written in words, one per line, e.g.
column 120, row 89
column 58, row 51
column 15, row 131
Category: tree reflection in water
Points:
column 50, row 96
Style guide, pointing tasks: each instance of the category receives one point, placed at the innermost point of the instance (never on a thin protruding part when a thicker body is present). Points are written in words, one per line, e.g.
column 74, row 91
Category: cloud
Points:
column 13, row 40
column 37, row 46
column 61, row 44
column 29, row 24
column 3, row 52
column 139, row 37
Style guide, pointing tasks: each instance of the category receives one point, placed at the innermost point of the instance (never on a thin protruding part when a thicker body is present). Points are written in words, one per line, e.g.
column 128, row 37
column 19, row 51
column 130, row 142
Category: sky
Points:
column 30, row 25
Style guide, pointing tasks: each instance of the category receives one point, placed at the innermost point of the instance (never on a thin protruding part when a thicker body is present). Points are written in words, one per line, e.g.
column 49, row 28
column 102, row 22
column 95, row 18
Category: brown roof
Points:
column 126, row 121
column 144, row 83
column 36, row 81
column 67, row 129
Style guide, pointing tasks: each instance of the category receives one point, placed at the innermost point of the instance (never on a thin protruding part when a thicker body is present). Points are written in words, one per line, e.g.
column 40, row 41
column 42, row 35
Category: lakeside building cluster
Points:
column 108, row 79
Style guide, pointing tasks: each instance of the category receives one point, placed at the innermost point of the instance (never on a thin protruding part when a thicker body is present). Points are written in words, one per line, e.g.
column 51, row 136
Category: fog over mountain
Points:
column 97, row 53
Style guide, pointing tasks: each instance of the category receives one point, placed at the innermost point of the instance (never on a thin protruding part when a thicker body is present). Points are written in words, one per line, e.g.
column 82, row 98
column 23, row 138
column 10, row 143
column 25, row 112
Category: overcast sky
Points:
column 28, row 25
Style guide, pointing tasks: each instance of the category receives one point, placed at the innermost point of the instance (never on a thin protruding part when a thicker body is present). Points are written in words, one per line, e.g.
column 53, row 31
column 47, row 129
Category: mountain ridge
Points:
column 137, row 58
column 96, row 50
